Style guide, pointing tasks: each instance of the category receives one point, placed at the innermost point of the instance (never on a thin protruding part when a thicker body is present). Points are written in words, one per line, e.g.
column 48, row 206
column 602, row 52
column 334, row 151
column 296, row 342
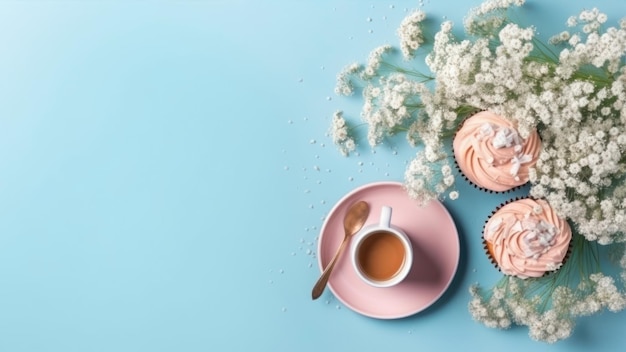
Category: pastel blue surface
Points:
column 165, row 171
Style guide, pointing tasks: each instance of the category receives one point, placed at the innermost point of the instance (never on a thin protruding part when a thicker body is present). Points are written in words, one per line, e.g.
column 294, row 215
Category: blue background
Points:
column 165, row 171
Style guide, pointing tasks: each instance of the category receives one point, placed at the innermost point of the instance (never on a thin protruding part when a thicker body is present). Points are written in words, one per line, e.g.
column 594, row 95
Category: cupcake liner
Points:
column 460, row 171
column 488, row 251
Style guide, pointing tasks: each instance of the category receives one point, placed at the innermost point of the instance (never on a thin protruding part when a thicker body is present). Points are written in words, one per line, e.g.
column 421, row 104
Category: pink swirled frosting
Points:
column 526, row 238
column 491, row 153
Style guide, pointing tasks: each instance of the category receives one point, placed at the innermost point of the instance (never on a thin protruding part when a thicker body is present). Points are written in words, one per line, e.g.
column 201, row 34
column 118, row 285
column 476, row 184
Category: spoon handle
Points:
column 323, row 280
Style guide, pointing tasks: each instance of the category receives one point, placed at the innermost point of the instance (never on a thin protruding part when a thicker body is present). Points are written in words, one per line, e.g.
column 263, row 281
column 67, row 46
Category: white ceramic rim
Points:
column 408, row 254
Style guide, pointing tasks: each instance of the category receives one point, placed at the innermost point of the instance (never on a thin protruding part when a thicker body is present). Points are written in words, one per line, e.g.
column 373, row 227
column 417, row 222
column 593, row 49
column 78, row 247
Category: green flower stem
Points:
column 398, row 129
column 423, row 77
column 545, row 51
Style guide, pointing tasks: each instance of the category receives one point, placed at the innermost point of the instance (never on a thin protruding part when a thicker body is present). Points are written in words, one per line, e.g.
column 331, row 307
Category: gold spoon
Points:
column 352, row 223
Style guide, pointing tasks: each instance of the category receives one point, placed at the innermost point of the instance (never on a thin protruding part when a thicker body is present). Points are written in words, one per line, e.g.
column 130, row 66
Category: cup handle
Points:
column 385, row 216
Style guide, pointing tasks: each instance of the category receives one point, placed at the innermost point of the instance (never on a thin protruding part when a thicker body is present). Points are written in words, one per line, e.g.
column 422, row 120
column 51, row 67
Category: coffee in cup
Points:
column 381, row 253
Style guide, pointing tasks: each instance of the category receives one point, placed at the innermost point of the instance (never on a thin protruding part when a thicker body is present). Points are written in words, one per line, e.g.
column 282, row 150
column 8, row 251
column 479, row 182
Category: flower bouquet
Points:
column 570, row 89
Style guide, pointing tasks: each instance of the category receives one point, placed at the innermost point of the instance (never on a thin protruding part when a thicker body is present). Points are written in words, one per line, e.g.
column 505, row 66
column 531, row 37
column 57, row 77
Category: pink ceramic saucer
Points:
column 435, row 244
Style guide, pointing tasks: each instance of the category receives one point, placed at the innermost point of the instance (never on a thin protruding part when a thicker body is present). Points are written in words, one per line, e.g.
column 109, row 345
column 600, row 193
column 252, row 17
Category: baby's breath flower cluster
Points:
column 390, row 106
column 345, row 85
column 374, row 61
column 410, row 33
column 571, row 89
column 340, row 134
column 582, row 112
column 549, row 305
column 428, row 178
column 473, row 74
column 580, row 172
column 485, row 19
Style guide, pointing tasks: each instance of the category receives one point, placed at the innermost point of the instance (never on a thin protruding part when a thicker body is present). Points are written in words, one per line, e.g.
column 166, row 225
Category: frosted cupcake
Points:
column 525, row 238
column 492, row 155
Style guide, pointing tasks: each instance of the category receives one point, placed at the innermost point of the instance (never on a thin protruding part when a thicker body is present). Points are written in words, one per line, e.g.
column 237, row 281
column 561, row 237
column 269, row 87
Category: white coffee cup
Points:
column 381, row 253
